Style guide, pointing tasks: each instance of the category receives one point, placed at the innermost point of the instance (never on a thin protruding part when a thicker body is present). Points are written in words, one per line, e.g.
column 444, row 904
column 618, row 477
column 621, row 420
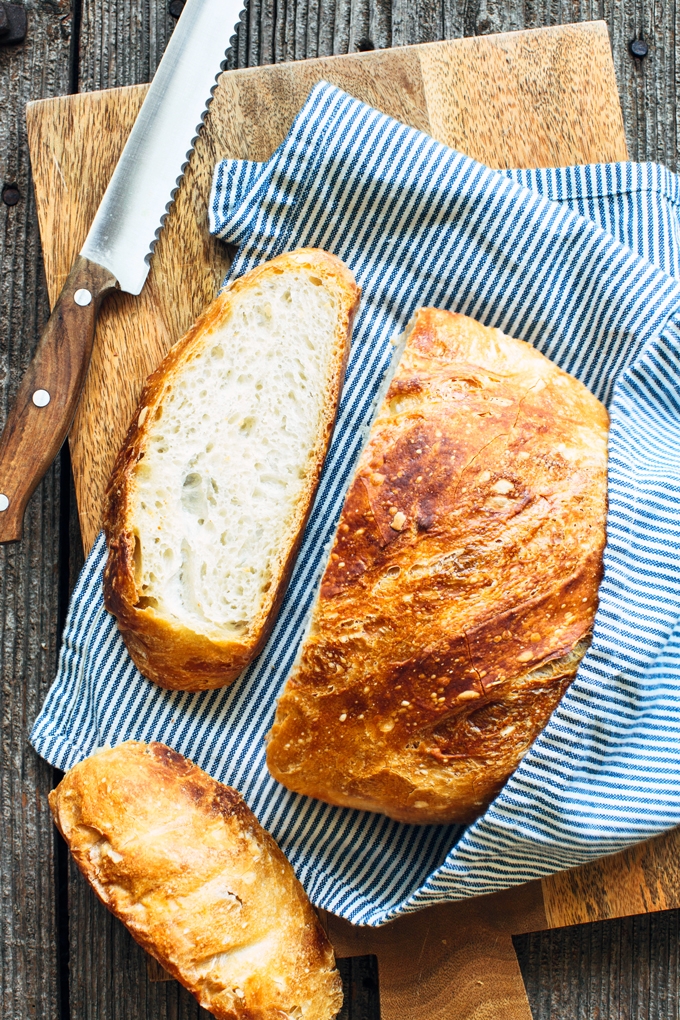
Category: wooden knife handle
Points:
column 48, row 396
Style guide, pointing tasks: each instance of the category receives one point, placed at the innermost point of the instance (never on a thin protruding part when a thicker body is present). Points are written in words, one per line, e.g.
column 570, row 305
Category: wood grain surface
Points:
column 627, row 968
column 520, row 100
column 534, row 106
column 29, row 578
column 454, row 961
column 528, row 93
column 641, row 879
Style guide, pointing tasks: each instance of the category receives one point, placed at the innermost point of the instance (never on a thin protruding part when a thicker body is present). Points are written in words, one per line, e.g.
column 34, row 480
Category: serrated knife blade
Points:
column 117, row 250
column 157, row 151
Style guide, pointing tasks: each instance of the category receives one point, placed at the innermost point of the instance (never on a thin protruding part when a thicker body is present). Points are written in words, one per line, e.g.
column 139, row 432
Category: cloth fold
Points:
column 581, row 262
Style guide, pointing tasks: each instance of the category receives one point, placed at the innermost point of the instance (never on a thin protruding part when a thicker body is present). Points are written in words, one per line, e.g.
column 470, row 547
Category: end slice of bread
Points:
column 183, row 862
column 211, row 491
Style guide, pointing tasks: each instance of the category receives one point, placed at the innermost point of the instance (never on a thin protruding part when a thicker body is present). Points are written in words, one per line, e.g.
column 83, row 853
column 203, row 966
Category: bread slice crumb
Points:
column 213, row 486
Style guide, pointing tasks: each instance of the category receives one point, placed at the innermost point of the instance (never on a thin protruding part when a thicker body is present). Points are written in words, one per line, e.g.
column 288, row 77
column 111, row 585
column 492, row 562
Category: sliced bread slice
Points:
column 210, row 493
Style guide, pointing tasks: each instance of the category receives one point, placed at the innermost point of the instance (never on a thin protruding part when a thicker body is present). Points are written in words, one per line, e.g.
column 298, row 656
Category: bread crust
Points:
column 173, row 655
column 181, row 860
column 461, row 589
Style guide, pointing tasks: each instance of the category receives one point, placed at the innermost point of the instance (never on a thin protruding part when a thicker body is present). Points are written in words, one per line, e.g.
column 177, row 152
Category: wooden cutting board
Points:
column 539, row 98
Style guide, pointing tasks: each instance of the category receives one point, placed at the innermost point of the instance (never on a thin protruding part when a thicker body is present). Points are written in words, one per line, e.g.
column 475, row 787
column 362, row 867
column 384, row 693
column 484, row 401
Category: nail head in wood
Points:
column 365, row 45
column 82, row 297
column 639, row 48
column 175, row 8
column 10, row 194
column 41, row 398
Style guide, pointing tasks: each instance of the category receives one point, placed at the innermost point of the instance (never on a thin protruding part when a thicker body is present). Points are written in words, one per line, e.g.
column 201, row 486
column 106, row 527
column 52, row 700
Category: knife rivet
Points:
column 4, row 502
column 41, row 398
column 82, row 297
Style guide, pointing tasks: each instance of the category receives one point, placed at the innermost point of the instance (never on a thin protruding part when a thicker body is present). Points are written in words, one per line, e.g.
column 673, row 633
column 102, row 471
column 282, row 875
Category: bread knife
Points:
column 117, row 250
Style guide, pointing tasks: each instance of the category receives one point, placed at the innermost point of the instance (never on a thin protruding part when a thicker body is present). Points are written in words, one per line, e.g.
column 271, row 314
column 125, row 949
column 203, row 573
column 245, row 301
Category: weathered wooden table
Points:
column 61, row 955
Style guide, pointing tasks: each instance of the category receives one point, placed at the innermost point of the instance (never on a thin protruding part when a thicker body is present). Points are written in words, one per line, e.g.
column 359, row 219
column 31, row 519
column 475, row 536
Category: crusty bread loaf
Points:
column 211, row 491
column 184, row 863
column 462, row 584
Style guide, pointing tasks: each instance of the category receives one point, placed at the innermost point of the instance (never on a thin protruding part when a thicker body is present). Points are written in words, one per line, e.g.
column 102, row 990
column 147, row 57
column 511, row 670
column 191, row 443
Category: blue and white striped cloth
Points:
column 582, row 262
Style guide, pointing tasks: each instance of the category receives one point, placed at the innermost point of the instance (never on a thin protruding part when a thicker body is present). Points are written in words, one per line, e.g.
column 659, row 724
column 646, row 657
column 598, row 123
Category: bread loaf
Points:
column 211, row 491
column 183, row 862
column 462, row 583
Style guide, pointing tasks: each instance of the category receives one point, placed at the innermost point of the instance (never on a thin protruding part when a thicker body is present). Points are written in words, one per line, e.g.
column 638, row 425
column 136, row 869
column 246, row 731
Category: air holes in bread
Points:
column 226, row 479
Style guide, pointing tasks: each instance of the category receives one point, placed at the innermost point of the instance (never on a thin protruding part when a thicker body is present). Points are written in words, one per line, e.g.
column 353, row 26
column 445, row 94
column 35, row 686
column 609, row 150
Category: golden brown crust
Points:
column 183, row 862
column 170, row 654
column 462, row 584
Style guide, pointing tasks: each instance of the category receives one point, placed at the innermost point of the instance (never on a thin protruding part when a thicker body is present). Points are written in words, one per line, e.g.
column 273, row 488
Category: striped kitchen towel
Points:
column 583, row 263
